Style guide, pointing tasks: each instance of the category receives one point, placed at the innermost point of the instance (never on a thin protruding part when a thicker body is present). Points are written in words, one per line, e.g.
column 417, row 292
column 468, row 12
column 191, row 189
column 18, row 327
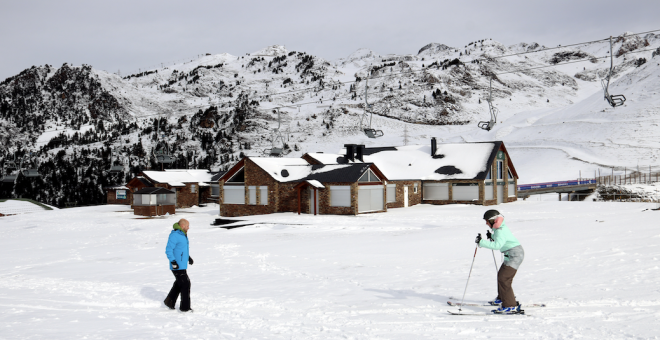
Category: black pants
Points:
column 180, row 286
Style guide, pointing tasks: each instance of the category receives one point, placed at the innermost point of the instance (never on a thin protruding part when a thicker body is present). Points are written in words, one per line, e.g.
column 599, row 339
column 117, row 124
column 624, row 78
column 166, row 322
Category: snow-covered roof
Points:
column 315, row 183
column 116, row 187
column 298, row 169
column 178, row 177
column 451, row 161
column 283, row 169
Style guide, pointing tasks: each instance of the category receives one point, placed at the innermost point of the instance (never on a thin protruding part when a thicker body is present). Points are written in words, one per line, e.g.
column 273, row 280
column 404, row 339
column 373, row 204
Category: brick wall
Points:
column 205, row 195
column 506, row 198
column 154, row 210
column 413, row 198
column 255, row 176
column 112, row 197
column 186, row 197
column 506, row 181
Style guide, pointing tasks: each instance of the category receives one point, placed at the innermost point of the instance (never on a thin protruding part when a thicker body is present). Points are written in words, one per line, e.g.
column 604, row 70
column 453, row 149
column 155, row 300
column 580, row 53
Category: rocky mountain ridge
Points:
column 212, row 110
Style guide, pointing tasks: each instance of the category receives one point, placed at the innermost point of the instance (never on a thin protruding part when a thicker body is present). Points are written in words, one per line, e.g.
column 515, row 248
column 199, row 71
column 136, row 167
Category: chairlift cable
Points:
column 568, row 62
column 429, row 68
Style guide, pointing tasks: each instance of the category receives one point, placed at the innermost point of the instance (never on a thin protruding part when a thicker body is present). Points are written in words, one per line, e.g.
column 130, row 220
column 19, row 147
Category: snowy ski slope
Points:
column 100, row 273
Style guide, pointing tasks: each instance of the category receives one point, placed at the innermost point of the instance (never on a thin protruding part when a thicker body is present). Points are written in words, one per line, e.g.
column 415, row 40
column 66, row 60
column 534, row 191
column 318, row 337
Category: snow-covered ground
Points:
column 14, row 207
column 100, row 272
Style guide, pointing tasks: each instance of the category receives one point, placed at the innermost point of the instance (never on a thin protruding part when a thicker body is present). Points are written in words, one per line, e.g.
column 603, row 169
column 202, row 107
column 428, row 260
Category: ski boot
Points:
column 509, row 310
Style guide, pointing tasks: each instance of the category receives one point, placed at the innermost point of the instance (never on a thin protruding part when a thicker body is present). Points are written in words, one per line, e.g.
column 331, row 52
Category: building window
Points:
column 465, row 191
column 252, row 193
column 215, row 190
column 340, row 196
column 500, row 170
column 370, row 198
column 369, row 176
column 193, row 188
column 234, row 195
column 436, row 191
column 264, row 195
column 238, row 177
column 391, row 193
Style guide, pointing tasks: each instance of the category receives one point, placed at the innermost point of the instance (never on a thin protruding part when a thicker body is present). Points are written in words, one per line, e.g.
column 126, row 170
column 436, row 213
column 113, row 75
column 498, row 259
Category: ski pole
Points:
column 496, row 271
column 460, row 308
column 494, row 260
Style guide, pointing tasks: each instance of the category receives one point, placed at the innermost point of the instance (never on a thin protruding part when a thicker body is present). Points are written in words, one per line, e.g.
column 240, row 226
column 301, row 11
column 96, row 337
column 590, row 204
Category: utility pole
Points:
column 405, row 135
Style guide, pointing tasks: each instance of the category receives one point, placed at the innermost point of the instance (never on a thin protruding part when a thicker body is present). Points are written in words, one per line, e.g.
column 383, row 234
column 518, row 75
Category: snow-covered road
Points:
column 101, row 273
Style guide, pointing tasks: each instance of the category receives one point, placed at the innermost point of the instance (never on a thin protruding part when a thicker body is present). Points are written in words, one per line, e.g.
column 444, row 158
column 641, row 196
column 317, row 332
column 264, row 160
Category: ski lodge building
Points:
column 369, row 180
column 190, row 187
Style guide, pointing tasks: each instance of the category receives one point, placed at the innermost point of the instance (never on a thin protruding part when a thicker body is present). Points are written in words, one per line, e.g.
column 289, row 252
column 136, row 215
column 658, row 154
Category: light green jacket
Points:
column 503, row 240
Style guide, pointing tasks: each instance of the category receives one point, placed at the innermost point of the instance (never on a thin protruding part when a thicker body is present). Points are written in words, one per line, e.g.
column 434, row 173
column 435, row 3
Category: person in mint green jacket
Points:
column 504, row 241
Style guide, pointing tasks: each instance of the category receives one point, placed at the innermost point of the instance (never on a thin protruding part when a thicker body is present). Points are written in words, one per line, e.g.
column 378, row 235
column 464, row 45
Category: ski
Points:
column 522, row 312
column 458, row 304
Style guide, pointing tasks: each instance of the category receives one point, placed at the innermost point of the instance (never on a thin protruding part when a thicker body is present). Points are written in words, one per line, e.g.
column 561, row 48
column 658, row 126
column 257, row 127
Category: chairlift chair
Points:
column 613, row 100
column 114, row 169
column 162, row 151
column 373, row 133
column 276, row 151
column 369, row 131
column 488, row 125
column 10, row 166
column 162, row 154
column 29, row 172
column 10, row 178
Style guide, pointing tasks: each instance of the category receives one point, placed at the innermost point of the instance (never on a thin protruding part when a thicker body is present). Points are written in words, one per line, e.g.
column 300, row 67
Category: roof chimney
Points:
column 350, row 152
column 434, row 146
column 359, row 152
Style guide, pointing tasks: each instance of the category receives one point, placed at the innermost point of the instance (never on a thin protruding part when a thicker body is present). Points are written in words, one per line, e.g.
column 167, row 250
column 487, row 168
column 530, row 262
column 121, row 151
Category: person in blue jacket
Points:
column 177, row 253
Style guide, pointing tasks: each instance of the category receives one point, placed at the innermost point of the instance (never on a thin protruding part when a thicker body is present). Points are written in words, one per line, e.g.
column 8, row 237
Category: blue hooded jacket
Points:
column 177, row 248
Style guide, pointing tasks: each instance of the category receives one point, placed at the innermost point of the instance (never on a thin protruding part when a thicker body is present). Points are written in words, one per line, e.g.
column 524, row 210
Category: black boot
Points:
column 169, row 303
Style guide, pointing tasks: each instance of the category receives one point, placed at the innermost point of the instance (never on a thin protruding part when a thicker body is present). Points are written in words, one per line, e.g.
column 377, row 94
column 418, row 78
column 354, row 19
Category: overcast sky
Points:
column 126, row 35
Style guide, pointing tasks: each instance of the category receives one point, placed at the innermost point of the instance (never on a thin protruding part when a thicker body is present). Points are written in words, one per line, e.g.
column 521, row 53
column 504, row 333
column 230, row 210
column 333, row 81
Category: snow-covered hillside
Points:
column 102, row 273
column 216, row 108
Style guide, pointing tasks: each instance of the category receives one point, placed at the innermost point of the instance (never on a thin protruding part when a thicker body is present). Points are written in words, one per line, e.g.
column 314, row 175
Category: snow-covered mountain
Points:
column 216, row 107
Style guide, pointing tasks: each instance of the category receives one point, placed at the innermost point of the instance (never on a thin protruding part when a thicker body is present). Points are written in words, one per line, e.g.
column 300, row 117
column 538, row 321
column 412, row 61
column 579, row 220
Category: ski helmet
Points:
column 490, row 214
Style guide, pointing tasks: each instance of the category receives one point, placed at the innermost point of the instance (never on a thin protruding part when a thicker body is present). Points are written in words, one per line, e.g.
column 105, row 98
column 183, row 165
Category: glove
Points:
column 174, row 264
column 478, row 239
column 190, row 260
column 489, row 235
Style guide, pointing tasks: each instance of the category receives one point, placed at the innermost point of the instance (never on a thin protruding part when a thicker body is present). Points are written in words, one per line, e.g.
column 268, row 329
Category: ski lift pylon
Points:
column 162, row 151
column 369, row 131
column 492, row 109
column 613, row 100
